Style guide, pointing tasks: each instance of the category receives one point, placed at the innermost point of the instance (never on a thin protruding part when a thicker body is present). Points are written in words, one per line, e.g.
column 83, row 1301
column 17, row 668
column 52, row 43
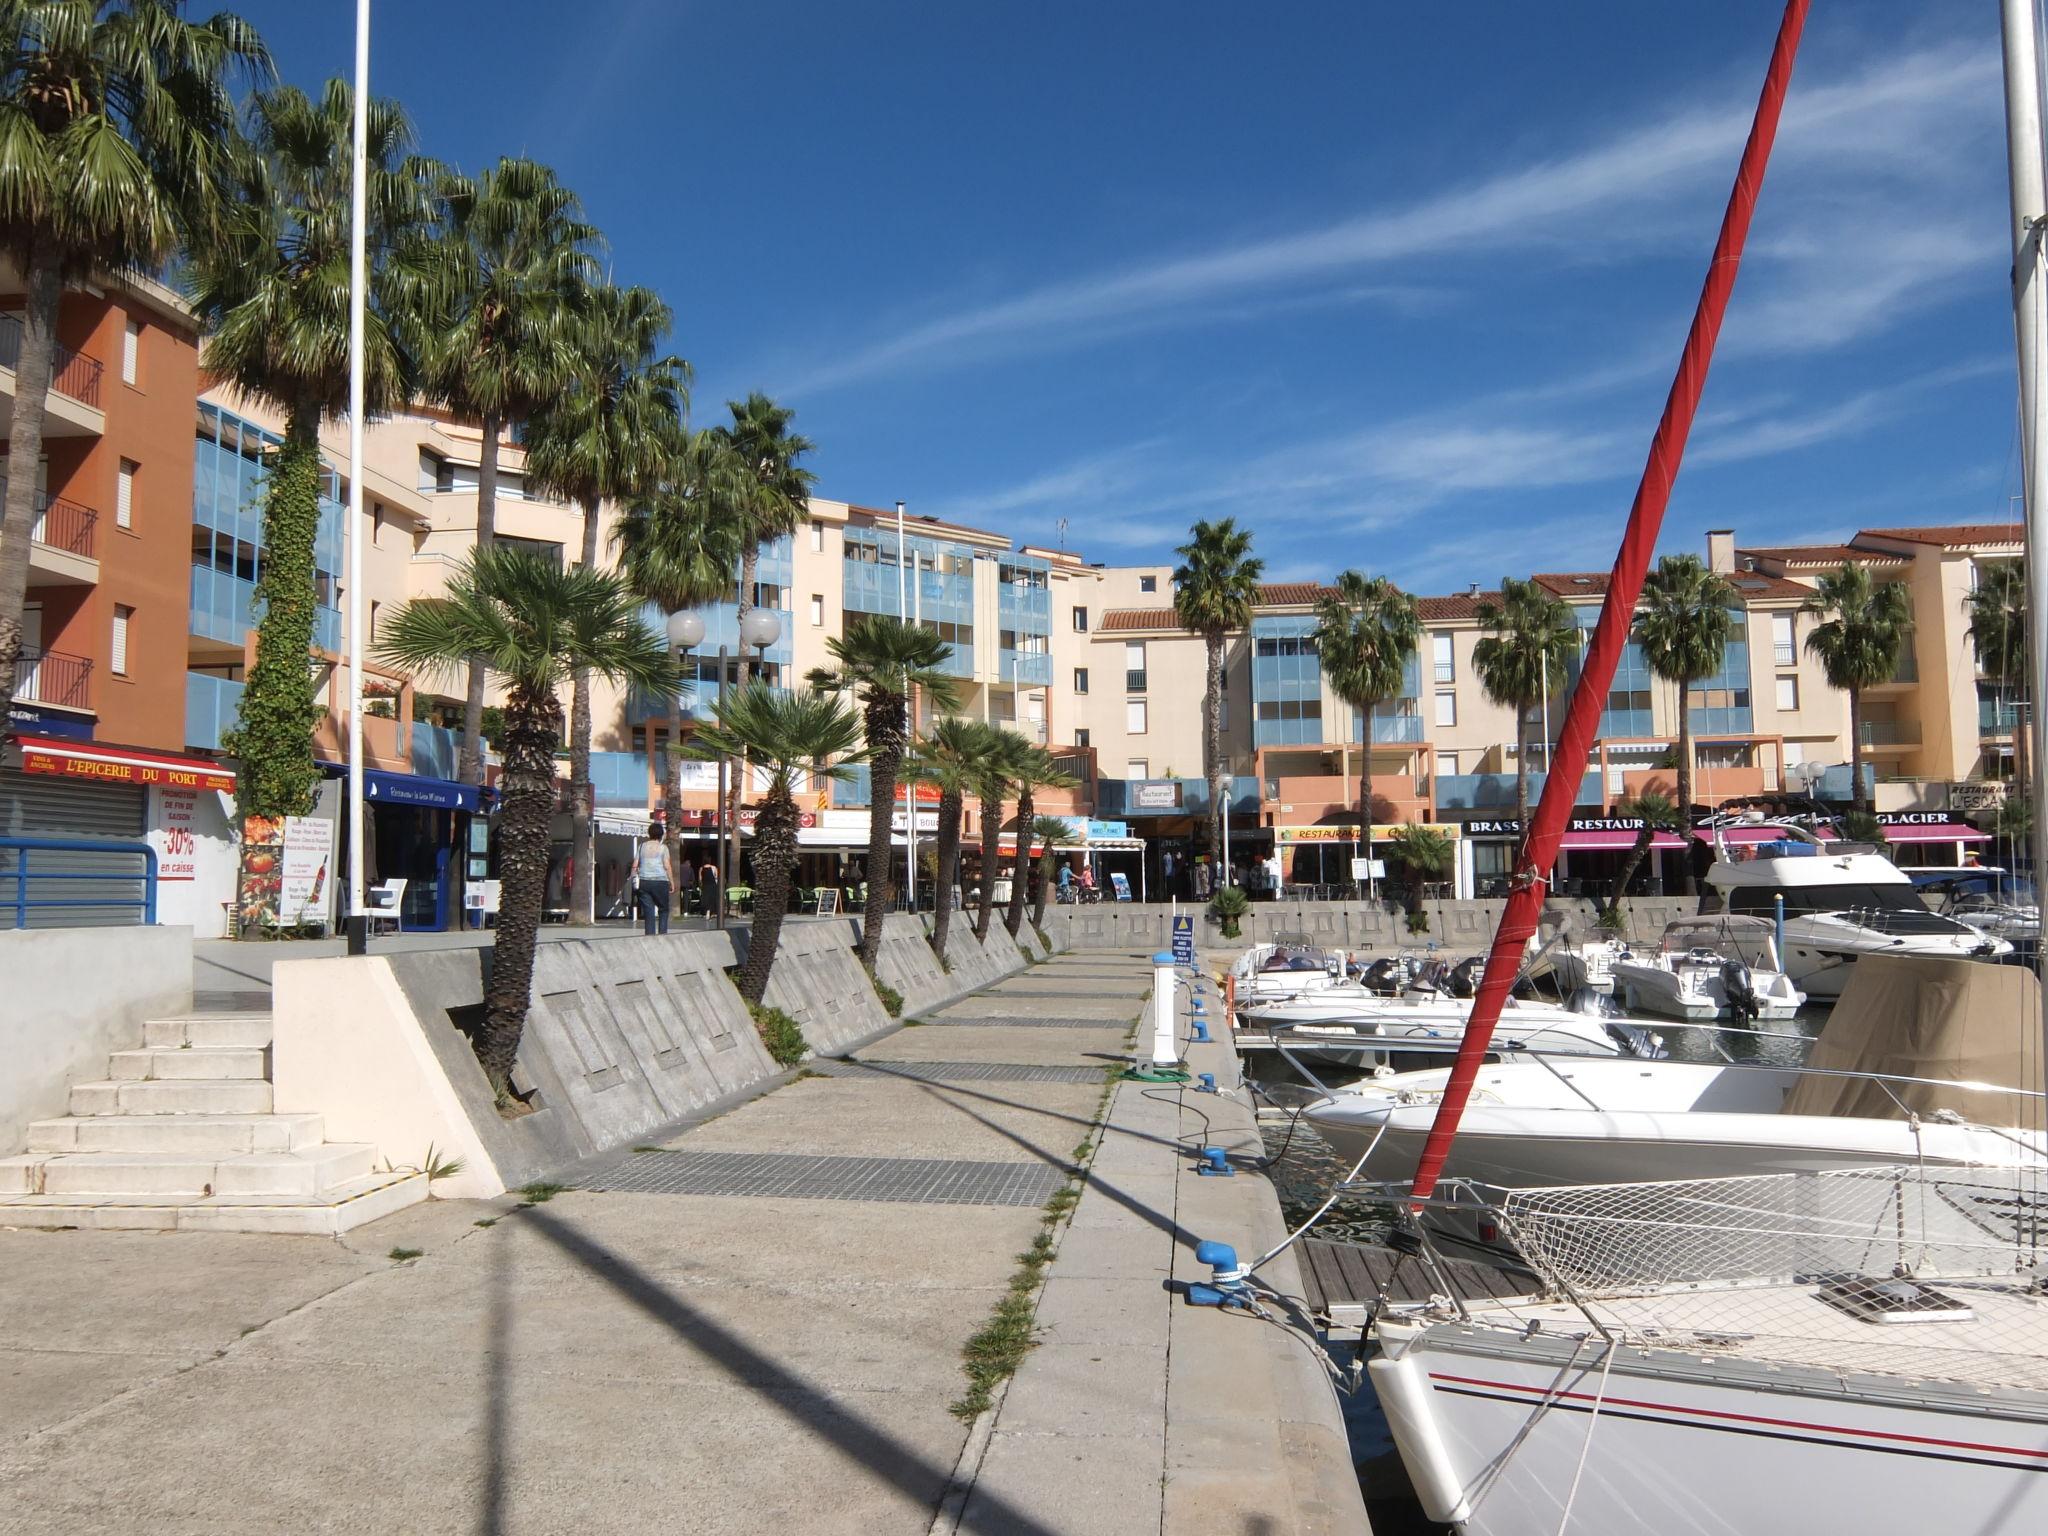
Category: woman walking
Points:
column 657, row 881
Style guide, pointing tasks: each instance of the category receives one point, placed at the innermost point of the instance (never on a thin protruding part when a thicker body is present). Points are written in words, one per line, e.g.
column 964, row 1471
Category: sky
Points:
column 1399, row 287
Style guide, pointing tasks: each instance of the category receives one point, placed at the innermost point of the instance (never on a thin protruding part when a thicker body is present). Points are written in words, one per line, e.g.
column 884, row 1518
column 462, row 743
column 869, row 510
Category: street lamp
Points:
column 761, row 628
column 685, row 634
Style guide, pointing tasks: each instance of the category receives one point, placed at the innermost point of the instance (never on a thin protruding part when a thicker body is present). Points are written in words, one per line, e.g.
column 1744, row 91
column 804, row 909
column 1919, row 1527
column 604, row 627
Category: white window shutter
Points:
column 124, row 495
column 119, row 660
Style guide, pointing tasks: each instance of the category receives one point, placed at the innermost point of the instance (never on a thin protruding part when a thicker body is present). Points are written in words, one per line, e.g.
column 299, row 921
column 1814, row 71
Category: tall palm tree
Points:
column 1006, row 749
column 1656, row 813
column 879, row 660
column 779, row 490
column 515, row 251
column 949, row 758
column 1858, row 644
column 1366, row 631
column 1683, row 622
column 614, row 434
column 272, row 290
column 1521, row 662
column 1215, row 587
column 532, row 623
column 1051, row 834
column 1998, row 631
column 788, row 733
column 678, row 545
column 1033, row 770
column 119, row 145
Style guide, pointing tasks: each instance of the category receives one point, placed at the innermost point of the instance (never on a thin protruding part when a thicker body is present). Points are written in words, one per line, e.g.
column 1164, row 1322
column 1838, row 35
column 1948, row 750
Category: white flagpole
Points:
column 357, row 275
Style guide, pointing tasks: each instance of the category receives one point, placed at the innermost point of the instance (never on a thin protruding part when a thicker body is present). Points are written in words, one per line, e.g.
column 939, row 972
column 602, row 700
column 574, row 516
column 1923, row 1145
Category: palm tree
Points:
column 1051, row 833
column 1006, row 749
column 1656, row 813
column 614, row 434
column 1683, row 623
column 1998, row 630
column 515, row 251
column 1857, row 646
column 119, row 145
column 1215, row 588
column 949, row 758
column 1521, row 662
column 778, row 489
column 272, row 289
column 879, row 660
column 1366, row 631
column 1032, row 771
column 678, row 546
column 788, row 733
column 532, row 623
column 1425, row 853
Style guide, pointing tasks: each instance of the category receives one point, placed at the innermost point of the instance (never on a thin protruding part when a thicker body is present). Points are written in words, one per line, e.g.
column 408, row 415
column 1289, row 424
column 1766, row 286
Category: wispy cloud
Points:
column 1897, row 117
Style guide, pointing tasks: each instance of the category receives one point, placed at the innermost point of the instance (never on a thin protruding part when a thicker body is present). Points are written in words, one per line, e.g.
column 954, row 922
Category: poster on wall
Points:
column 286, row 871
column 176, row 840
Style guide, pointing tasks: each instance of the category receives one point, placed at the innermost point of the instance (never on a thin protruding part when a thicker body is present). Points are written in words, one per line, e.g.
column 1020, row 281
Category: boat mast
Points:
column 2030, row 324
column 1617, row 613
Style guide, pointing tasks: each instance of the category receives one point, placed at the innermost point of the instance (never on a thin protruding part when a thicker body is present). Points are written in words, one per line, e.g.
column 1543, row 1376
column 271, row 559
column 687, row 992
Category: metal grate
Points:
column 958, row 1071
column 793, row 1176
column 1033, row 993
column 1042, row 1022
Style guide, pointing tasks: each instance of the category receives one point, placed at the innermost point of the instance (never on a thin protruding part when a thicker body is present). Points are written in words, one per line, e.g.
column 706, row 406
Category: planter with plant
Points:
column 1227, row 906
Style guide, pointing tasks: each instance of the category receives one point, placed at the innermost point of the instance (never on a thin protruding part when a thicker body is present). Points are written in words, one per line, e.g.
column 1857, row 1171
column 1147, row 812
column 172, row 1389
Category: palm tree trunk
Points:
column 885, row 760
column 1365, row 784
column 472, row 768
column 25, row 449
column 1684, row 790
column 1858, row 800
column 1634, row 862
column 1045, row 863
column 582, row 793
column 949, row 869
column 750, row 560
column 991, row 831
column 775, row 858
column 1020, row 873
column 1522, row 769
column 1212, row 745
column 533, row 727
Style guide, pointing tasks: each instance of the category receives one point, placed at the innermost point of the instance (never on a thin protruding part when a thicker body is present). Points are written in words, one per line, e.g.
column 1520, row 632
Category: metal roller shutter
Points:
column 39, row 805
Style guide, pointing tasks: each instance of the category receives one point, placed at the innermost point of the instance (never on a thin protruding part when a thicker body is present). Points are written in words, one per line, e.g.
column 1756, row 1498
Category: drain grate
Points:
column 793, row 1176
column 958, row 1071
column 1038, row 1021
column 1033, row 992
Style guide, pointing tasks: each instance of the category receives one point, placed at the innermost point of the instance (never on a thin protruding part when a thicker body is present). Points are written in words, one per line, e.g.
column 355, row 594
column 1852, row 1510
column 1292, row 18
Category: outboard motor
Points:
column 1740, row 990
column 1594, row 1005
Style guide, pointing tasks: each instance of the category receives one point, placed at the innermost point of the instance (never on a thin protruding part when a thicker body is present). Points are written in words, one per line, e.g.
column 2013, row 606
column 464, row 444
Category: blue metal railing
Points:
column 17, row 873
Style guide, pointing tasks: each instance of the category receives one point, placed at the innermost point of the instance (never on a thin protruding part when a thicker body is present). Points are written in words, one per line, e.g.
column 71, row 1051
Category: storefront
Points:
column 430, row 833
column 1930, row 839
column 1316, row 862
column 1594, row 851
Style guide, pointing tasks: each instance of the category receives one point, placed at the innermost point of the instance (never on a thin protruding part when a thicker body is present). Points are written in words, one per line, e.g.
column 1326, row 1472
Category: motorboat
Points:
column 1981, row 898
column 1841, row 901
column 1379, row 1035
column 1271, row 972
column 1590, row 964
column 1709, row 968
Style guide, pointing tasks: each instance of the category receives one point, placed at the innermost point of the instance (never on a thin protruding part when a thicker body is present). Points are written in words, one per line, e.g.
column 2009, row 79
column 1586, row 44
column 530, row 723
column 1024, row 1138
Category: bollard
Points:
column 1165, row 1047
column 1199, row 1034
column 1215, row 1164
column 1226, row 1287
column 1207, row 1081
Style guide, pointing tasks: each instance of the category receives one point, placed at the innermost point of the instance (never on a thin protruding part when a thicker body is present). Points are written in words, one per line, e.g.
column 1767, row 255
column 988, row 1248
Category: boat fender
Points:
column 1402, row 1385
column 1226, row 1287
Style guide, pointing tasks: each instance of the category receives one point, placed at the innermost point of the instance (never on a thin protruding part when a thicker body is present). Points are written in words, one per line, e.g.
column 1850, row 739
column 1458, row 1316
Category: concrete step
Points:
column 249, row 1029
column 220, row 1135
column 114, row 1175
column 195, row 1097
column 165, row 1063
column 338, row 1210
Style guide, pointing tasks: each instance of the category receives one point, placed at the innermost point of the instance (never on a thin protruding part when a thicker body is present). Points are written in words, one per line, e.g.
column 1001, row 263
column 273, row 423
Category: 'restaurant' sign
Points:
column 111, row 767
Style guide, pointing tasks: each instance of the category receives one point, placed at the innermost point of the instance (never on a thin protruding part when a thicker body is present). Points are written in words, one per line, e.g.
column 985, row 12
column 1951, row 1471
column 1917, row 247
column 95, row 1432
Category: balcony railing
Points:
column 1891, row 733
column 1999, row 717
column 1134, row 680
column 1396, row 730
column 71, row 373
column 53, row 678
column 60, row 523
column 1025, row 666
column 213, row 707
column 1491, row 791
column 223, row 607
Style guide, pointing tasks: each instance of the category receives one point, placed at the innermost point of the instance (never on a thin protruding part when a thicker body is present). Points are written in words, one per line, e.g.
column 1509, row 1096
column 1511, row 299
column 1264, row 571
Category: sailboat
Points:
column 1837, row 1352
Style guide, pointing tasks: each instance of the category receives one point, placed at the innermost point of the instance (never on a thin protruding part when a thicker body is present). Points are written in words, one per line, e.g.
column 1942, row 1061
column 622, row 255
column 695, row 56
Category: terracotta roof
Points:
column 1761, row 586
column 1956, row 536
column 1290, row 594
column 1459, row 605
column 1821, row 554
column 1573, row 583
column 1139, row 618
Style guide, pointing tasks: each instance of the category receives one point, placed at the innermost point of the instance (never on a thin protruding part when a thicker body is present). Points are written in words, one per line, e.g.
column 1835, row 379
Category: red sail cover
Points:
column 1617, row 614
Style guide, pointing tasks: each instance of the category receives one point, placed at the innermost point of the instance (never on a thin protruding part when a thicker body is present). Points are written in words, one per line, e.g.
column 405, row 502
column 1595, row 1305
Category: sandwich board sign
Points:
column 1183, row 939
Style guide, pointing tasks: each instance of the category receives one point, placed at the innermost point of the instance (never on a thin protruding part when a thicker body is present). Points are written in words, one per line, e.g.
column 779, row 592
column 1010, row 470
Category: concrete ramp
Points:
column 818, row 980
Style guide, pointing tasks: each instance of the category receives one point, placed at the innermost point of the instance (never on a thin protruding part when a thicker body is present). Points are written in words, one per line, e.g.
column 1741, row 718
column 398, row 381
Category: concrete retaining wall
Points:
column 623, row 1037
column 72, row 996
column 818, row 981
column 976, row 964
column 908, row 963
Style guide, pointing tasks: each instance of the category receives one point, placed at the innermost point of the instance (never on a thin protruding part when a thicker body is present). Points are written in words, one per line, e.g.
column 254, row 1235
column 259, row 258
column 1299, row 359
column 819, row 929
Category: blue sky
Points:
column 1402, row 287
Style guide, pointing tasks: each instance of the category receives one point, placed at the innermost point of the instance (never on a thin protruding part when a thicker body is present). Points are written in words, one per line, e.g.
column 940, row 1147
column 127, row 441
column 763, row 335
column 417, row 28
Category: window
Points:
column 119, row 659
column 376, row 525
column 1138, row 768
column 124, row 494
column 1784, row 642
column 1788, row 693
column 1148, row 583
column 1134, row 666
column 817, row 538
column 545, row 548
column 1447, row 763
column 371, row 633
column 1446, row 707
column 1446, row 662
column 131, row 352
column 1081, row 737
column 1080, row 621
column 817, row 610
column 1080, row 679
column 1134, row 717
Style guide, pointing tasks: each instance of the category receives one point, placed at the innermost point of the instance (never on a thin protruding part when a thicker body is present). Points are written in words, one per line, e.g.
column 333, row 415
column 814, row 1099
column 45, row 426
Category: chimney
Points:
column 1721, row 550
column 1474, row 592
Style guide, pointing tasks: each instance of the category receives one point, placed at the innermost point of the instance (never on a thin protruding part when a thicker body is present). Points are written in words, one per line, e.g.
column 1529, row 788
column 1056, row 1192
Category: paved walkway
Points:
column 655, row 1357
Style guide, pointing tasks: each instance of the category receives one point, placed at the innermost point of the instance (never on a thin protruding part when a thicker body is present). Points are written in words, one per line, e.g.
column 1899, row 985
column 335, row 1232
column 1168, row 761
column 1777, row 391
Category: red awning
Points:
column 1936, row 832
column 121, row 765
column 1612, row 839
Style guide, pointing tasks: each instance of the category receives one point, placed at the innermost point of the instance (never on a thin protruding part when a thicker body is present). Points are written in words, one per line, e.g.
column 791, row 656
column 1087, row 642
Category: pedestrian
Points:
column 1202, row 878
column 657, row 882
column 707, row 887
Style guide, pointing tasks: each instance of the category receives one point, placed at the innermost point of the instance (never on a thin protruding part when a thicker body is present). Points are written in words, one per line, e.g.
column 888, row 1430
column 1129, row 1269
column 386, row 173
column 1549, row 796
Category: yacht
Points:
column 1709, row 968
column 1375, row 1034
column 1841, row 902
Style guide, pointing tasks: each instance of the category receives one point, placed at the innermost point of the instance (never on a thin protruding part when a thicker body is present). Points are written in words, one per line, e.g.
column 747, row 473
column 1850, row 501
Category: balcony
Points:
column 1495, row 791
column 1025, row 667
column 61, row 542
column 74, row 383
column 1999, row 717
column 1879, row 735
column 1904, row 675
column 1396, row 730
column 1116, row 798
column 55, row 680
column 213, row 707
column 1295, row 799
column 224, row 609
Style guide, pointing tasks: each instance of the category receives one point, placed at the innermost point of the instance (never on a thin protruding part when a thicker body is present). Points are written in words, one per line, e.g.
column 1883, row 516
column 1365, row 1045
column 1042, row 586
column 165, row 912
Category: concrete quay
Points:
column 756, row 1325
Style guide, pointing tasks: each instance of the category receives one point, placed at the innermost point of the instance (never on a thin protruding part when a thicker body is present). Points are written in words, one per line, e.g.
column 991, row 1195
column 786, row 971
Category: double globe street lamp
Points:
column 761, row 628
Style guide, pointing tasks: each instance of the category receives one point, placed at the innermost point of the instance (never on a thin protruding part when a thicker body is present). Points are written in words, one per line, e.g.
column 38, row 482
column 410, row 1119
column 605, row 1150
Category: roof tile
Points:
column 1955, row 536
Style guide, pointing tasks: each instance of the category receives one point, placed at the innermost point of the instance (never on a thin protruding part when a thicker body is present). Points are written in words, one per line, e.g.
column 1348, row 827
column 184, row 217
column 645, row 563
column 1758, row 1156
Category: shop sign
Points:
column 1913, row 819
column 1153, row 794
column 286, row 866
column 55, row 758
column 1097, row 829
column 1380, row 832
column 177, row 840
column 1969, row 795
column 47, row 722
column 1509, row 827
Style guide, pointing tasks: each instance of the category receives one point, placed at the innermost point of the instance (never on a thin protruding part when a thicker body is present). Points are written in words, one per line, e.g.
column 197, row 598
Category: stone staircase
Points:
column 182, row 1136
